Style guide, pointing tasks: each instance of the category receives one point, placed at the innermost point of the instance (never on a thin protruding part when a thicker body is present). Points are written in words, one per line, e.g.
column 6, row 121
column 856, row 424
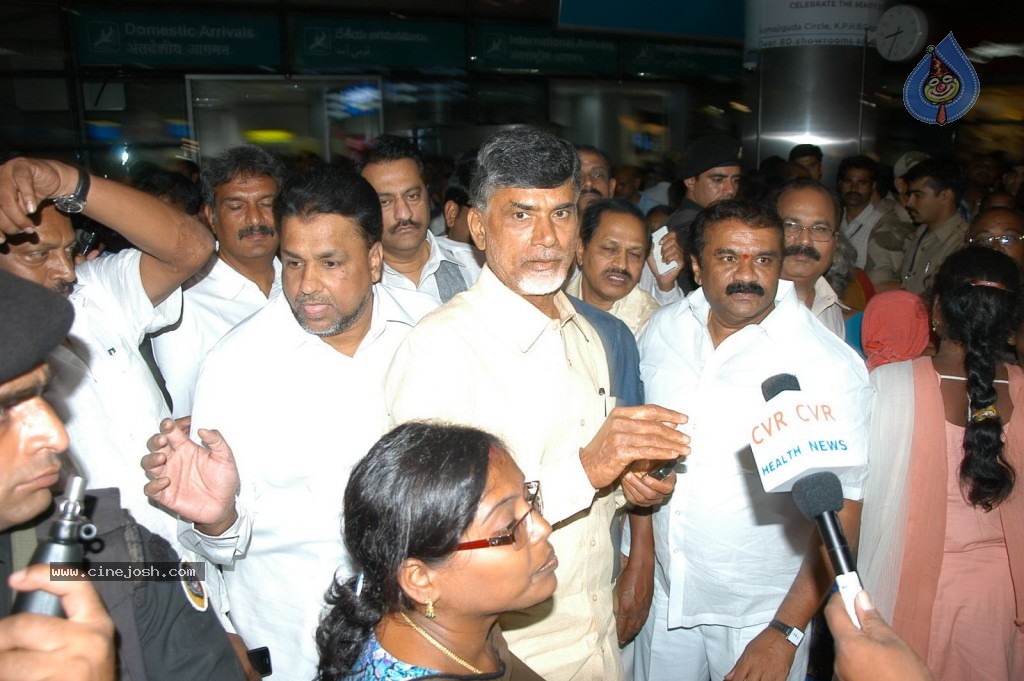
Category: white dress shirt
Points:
column 428, row 283
column 727, row 552
column 215, row 299
column 298, row 415
column 466, row 254
column 102, row 387
column 828, row 309
column 541, row 385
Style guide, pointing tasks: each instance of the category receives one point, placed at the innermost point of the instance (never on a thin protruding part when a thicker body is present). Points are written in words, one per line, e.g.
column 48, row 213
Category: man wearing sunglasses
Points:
column 809, row 217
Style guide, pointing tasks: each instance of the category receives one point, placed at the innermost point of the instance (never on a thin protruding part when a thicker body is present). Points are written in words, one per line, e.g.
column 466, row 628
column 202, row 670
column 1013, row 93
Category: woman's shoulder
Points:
column 377, row 664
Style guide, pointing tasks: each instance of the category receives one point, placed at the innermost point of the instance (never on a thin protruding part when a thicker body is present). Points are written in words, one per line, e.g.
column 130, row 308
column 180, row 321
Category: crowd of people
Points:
column 503, row 431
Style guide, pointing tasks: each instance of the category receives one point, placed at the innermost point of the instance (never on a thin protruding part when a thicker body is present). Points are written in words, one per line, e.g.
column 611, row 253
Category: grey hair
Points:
column 844, row 264
column 524, row 157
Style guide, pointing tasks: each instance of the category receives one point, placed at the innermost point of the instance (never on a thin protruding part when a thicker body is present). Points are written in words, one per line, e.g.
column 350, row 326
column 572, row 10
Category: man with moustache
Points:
column 809, row 214
column 102, row 387
column 612, row 251
column 268, row 512
column 238, row 189
column 456, row 215
column 739, row 574
column 1001, row 229
column 523, row 364
column 874, row 230
column 809, row 157
column 413, row 259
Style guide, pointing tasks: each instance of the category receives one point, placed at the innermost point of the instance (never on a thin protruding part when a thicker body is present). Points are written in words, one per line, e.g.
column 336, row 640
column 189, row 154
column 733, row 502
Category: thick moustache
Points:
column 742, row 287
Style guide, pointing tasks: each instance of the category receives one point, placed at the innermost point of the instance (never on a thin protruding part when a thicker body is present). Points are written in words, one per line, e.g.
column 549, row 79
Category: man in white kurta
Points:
column 521, row 363
column 731, row 558
column 296, row 432
column 296, row 391
column 239, row 186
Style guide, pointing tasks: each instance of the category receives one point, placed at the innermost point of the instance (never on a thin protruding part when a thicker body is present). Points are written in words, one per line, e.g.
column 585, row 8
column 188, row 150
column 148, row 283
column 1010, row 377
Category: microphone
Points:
column 773, row 385
column 819, row 496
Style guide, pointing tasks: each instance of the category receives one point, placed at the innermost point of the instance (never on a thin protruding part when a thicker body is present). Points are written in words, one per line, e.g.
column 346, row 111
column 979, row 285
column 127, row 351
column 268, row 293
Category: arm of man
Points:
column 419, row 387
column 79, row 648
column 635, row 586
column 174, row 245
column 885, row 248
column 769, row 656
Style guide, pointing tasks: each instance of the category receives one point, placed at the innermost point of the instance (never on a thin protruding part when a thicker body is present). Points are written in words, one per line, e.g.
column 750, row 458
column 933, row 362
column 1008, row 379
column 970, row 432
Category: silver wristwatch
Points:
column 74, row 202
column 792, row 634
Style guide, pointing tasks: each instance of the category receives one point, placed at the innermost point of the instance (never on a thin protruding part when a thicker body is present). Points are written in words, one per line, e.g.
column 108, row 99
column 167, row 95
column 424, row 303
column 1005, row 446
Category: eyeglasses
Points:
column 819, row 232
column 993, row 241
column 518, row 533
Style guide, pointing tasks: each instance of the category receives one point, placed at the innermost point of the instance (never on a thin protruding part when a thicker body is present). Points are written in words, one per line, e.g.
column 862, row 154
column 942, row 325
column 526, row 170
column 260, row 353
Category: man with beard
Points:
column 523, row 364
column 612, row 251
column 270, row 514
column 809, row 213
column 238, row 188
column 413, row 259
column 739, row 574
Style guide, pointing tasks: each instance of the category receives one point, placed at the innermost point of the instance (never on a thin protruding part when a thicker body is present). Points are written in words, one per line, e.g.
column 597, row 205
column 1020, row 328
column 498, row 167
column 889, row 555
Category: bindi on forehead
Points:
column 745, row 256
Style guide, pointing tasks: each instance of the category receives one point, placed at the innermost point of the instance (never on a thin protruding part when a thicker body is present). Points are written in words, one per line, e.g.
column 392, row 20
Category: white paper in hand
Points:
column 663, row 268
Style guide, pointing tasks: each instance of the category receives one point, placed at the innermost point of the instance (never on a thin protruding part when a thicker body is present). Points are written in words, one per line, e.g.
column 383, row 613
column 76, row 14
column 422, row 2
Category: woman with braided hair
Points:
column 942, row 535
column 448, row 535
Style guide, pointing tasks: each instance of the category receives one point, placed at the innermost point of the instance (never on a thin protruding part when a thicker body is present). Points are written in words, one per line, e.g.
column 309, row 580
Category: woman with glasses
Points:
column 448, row 535
column 942, row 533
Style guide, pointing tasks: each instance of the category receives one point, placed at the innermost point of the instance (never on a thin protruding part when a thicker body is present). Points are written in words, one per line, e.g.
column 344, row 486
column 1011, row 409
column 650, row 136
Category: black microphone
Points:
column 773, row 385
column 819, row 496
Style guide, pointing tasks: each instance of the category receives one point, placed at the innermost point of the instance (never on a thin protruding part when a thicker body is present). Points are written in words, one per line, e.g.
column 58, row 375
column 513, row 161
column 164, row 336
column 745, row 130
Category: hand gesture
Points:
column 197, row 482
column 24, row 184
column 37, row 647
column 670, row 252
column 631, row 434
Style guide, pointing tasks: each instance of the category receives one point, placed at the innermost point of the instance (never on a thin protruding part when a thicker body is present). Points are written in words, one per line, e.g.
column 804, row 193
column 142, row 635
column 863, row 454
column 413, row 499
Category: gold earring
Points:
column 430, row 610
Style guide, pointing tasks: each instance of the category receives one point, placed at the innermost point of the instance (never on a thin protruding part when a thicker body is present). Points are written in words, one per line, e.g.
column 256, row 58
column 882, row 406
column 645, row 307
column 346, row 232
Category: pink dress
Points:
column 973, row 637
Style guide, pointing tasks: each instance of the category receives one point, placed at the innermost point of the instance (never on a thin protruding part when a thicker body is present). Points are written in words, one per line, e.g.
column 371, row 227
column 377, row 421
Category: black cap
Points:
column 705, row 153
column 802, row 150
column 33, row 321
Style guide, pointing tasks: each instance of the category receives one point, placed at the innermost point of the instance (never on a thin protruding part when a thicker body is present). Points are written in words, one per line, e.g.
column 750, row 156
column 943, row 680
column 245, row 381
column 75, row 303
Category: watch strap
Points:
column 792, row 634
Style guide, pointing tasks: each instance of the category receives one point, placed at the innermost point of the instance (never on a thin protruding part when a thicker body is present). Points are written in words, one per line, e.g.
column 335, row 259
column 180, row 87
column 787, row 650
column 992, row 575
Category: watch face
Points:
column 69, row 204
column 901, row 33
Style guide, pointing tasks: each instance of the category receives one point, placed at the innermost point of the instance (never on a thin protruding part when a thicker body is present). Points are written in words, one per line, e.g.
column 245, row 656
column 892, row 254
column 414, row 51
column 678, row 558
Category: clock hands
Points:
column 894, row 36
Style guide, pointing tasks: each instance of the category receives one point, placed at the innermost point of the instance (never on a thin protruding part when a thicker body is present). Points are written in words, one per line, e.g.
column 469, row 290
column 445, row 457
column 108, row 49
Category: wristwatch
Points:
column 792, row 634
column 74, row 202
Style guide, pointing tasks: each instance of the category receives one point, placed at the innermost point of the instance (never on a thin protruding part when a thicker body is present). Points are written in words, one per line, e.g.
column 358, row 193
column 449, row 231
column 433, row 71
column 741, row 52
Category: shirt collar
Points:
column 516, row 318
column 785, row 299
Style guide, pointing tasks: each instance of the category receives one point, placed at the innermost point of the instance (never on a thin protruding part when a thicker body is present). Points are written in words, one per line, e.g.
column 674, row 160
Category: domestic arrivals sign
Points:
column 176, row 39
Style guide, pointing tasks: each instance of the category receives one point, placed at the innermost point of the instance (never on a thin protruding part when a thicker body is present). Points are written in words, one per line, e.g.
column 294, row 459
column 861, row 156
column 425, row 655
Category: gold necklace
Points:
column 437, row 644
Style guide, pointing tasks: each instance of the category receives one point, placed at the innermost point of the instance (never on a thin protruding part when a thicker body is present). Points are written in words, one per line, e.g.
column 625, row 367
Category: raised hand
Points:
column 198, row 482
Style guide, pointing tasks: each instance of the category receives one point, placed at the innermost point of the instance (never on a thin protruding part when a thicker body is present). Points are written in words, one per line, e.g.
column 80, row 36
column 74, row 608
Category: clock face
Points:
column 901, row 33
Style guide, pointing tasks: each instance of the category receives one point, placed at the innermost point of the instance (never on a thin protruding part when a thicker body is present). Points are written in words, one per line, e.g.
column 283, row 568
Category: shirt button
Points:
column 593, row 543
column 583, row 422
column 593, row 597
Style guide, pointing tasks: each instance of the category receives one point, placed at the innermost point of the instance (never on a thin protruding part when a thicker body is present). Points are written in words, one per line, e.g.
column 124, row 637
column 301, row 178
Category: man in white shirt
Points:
column 101, row 386
column 239, row 187
column 809, row 214
column 413, row 259
column 296, row 428
column 869, row 221
column 612, row 252
column 524, row 365
column 739, row 572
